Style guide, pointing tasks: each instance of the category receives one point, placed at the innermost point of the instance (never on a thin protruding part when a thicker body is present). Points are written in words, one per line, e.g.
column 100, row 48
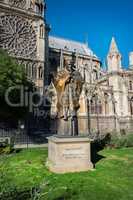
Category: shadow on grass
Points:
column 95, row 157
column 97, row 146
column 17, row 150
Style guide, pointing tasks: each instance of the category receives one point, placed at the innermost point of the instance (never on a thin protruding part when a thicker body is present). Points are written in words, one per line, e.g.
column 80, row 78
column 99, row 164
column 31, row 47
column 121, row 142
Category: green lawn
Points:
column 111, row 180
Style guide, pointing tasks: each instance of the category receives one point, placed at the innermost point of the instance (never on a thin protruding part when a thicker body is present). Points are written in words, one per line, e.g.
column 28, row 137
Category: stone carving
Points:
column 17, row 36
column 18, row 3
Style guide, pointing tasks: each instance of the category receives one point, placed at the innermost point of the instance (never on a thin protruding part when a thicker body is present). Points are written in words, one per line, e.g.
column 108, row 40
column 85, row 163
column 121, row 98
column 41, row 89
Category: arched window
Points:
column 40, row 72
column 99, row 107
column 92, row 105
column 26, row 70
column 95, row 75
column 34, row 71
column 39, row 8
column 95, row 105
column 29, row 70
column 41, row 31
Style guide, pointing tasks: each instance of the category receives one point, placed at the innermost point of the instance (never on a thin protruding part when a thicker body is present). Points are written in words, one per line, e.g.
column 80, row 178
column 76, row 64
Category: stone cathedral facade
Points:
column 106, row 102
column 24, row 34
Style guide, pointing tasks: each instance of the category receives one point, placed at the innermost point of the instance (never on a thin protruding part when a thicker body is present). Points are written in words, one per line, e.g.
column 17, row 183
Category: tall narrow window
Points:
column 29, row 70
column 41, row 31
column 34, row 71
column 95, row 75
column 92, row 105
column 95, row 105
column 40, row 73
column 37, row 8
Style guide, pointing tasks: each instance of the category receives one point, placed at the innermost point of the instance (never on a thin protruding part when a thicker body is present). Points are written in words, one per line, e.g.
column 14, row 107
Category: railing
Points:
column 24, row 137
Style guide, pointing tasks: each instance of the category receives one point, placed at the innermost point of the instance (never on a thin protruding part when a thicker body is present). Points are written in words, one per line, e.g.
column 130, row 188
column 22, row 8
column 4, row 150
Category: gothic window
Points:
column 40, row 73
column 41, row 31
column 39, row 8
column 24, row 64
column 34, row 71
column 95, row 75
column 92, row 105
column 99, row 107
column 17, row 36
column 29, row 70
column 95, row 105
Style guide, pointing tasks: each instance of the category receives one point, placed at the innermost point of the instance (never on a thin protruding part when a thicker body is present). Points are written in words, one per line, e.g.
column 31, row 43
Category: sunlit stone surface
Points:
column 69, row 154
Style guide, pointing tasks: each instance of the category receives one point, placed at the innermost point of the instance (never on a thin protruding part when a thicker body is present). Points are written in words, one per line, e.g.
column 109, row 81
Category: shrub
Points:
column 6, row 150
column 130, row 140
column 6, row 145
column 121, row 141
column 14, row 193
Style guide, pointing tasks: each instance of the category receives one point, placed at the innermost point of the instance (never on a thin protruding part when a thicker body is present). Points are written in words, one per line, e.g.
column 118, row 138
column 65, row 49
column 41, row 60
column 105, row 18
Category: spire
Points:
column 113, row 46
column 86, row 39
column 114, row 57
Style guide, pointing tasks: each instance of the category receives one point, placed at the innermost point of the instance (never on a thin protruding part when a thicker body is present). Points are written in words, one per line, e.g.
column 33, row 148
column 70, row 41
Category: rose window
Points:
column 17, row 36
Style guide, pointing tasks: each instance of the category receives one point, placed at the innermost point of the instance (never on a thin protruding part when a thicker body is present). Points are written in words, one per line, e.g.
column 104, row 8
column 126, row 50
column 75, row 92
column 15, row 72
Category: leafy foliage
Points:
column 11, row 75
column 6, row 145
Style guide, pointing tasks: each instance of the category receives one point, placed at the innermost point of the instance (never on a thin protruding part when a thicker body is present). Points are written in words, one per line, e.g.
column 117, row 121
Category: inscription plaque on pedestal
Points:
column 69, row 154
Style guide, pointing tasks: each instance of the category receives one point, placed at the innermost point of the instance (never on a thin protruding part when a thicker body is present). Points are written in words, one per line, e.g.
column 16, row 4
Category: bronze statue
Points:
column 68, row 83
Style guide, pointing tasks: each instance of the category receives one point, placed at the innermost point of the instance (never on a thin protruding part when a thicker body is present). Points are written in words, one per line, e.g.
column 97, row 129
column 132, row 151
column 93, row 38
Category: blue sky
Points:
column 99, row 19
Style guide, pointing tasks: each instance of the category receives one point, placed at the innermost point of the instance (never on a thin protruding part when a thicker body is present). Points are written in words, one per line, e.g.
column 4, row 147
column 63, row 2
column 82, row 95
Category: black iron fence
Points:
column 24, row 137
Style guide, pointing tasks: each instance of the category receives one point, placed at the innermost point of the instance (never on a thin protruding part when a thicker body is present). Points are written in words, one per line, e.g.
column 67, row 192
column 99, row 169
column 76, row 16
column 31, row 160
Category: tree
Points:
column 11, row 75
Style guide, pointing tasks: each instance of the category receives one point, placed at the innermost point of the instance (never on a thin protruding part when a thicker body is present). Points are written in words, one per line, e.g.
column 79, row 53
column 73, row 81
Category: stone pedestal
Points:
column 69, row 154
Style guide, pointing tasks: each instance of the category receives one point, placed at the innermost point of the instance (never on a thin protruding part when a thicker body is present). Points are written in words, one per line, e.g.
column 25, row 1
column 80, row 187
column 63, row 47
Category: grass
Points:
column 111, row 180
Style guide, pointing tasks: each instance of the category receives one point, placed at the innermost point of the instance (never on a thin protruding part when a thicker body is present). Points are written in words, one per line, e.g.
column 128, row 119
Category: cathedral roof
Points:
column 71, row 46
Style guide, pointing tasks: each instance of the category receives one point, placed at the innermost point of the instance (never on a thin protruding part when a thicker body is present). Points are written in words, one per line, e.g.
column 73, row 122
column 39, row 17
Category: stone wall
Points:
column 97, row 124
